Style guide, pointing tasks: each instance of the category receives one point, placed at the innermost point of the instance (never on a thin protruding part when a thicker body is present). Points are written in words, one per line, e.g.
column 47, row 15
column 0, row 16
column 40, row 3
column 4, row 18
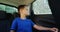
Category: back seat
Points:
column 5, row 21
column 7, row 18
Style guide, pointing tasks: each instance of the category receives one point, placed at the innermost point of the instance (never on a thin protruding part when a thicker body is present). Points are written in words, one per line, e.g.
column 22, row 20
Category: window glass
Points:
column 8, row 9
column 41, row 7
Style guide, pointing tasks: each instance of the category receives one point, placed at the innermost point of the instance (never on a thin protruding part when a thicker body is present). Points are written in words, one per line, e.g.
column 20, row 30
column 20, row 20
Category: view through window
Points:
column 41, row 7
column 8, row 9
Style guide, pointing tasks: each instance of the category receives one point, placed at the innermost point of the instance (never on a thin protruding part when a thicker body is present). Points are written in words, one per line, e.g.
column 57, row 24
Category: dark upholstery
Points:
column 5, row 21
column 2, row 14
column 46, row 20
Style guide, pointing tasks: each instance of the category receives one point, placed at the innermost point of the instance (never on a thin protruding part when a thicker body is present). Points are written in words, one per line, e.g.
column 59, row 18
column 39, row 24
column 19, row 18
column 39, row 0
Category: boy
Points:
column 21, row 24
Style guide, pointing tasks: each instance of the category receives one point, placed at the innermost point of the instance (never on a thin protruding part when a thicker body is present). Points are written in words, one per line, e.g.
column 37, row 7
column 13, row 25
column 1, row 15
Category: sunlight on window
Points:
column 8, row 9
column 41, row 7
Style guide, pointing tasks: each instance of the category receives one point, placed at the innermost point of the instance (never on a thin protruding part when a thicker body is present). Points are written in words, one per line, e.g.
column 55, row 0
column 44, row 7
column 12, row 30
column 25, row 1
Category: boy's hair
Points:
column 21, row 6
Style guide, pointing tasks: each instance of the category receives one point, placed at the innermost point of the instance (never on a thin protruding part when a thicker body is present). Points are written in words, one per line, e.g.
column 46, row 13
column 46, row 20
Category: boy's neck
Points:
column 22, row 16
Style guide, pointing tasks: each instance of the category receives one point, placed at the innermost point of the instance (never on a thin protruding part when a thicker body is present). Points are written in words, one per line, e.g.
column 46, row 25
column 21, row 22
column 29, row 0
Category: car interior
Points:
column 46, row 16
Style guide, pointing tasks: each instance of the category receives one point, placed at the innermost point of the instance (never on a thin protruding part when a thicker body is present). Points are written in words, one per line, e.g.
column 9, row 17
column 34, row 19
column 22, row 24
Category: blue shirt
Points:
column 22, row 25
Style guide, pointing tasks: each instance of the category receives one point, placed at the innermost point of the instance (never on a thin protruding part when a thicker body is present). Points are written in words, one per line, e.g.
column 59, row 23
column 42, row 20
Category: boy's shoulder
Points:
column 16, row 18
column 19, row 18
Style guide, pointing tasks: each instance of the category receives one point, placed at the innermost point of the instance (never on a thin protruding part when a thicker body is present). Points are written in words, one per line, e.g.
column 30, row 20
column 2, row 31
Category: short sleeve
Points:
column 14, row 25
column 32, row 23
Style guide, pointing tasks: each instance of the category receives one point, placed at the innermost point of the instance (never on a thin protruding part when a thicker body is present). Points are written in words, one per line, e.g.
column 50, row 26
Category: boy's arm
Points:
column 13, row 26
column 45, row 28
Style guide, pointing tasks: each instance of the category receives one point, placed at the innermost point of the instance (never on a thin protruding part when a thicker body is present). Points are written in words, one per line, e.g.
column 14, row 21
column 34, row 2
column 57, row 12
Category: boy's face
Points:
column 25, row 11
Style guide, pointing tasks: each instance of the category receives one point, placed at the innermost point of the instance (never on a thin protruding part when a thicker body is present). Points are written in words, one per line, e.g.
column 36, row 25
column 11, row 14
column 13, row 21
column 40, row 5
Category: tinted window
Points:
column 8, row 9
column 41, row 7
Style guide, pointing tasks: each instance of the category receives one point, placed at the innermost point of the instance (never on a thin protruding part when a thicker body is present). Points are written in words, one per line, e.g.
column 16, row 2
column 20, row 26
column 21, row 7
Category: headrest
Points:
column 2, row 14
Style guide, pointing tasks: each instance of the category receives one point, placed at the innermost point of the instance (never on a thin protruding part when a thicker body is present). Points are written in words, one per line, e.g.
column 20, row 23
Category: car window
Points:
column 8, row 9
column 41, row 7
